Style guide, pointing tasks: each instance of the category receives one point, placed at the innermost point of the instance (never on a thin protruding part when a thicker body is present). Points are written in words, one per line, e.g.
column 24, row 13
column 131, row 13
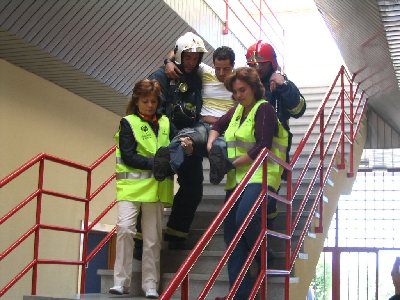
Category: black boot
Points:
column 161, row 166
column 219, row 165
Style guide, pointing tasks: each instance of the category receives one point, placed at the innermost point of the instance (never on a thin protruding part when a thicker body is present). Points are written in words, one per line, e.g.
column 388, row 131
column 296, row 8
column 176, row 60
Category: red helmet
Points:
column 261, row 52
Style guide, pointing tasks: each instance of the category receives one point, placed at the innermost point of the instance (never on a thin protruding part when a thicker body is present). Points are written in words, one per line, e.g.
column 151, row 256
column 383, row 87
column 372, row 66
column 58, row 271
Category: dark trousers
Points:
column 232, row 223
column 187, row 199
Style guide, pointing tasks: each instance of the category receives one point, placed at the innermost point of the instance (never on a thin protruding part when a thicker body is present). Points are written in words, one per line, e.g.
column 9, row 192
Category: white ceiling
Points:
column 367, row 34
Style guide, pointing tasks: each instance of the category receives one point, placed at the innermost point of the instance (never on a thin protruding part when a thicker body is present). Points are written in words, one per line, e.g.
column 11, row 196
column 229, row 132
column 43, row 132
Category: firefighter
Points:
column 183, row 103
column 281, row 93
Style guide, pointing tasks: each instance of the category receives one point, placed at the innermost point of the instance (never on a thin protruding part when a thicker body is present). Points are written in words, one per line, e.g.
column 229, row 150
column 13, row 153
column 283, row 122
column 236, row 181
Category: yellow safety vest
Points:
column 240, row 139
column 140, row 185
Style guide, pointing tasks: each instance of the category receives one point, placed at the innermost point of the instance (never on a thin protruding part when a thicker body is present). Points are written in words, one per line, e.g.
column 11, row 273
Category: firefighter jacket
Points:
column 182, row 100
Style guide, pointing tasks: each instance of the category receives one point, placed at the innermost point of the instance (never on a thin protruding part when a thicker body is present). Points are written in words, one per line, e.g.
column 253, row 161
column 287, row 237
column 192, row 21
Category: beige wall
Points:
column 38, row 116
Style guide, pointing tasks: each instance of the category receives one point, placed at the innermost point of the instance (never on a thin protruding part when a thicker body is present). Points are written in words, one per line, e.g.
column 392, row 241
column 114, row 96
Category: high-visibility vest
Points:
column 240, row 139
column 140, row 185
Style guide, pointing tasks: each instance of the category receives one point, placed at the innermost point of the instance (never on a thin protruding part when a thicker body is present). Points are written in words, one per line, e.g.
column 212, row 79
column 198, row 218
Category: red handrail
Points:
column 38, row 226
column 182, row 274
column 337, row 141
column 258, row 24
column 353, row 117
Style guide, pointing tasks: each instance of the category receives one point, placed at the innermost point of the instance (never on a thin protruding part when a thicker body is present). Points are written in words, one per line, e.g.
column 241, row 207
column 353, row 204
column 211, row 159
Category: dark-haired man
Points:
column 191, row 142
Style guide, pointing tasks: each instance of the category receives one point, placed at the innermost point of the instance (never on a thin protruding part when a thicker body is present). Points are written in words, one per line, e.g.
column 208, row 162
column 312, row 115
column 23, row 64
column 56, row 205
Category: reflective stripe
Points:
column 249, row 145
column 241, row 144
column 298, row 108
column 176, row 233
column 134, row 175
column 270, row 162
column 119, row 161
column 272, row 216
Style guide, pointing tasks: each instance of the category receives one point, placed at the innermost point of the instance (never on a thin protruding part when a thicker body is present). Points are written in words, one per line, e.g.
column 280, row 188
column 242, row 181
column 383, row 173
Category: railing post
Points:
column 185, row 288
column 37, row 231
column 226, row 28
column 320, row 228
column 85, row 230
column 264, row 228
column 352, row 137
column 288, row 230
column 342, row 164
column 336, row 274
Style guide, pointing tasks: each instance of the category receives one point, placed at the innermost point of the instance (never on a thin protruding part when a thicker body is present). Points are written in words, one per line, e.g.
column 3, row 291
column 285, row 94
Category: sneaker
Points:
column 218, row 165
column 119, row 290
column 161, row 166
column 151, row 294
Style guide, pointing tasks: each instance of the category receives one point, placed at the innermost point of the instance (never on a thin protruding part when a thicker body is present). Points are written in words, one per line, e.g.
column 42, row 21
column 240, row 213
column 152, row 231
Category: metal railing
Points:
column 265, row 28
column 345, row 127
column 39, row 225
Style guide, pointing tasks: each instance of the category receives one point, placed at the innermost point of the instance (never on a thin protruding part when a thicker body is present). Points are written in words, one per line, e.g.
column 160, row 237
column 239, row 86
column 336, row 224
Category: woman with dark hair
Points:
column 141, row 132
column 249, row 127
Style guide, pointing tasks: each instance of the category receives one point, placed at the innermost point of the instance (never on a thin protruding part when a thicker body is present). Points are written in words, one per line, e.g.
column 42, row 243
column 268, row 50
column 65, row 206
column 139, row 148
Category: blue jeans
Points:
column 232, row 223
column 199, row 136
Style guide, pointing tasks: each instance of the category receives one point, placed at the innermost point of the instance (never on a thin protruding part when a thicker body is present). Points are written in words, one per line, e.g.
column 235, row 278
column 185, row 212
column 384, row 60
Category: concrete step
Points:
column 275, row 286
column 279, row 245
column 207, row 261
column 197, row 283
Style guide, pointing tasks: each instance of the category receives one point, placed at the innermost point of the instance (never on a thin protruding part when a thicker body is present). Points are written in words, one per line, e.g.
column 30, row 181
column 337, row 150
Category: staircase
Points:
column 212, row 202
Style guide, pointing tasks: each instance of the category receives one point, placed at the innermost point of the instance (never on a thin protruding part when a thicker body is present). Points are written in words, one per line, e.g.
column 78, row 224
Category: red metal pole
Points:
column 85, row 229
column 320, row 228
column 352, row 137
column 288, row 231
column 185, row 288
column 342, row 164
column 264, row 214
column 37, row 231
column 226, row 28
column 336, row 274
column 377, row 275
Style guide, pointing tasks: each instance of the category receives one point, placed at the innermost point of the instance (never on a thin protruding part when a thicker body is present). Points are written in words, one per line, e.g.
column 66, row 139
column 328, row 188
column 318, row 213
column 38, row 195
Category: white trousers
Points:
column 152, row 216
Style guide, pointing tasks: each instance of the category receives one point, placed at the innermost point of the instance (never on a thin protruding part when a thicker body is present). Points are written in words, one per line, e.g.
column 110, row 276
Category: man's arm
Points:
column 289, row 94
column 171, row 69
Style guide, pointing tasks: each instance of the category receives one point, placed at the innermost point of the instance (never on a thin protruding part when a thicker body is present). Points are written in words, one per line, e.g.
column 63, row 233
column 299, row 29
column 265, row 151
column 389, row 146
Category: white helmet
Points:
column 189, row 42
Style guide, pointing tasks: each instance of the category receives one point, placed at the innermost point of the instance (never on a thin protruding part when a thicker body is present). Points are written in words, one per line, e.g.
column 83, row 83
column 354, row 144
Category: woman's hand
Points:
column 172, row 71
column 241, row 160
column 187, row 145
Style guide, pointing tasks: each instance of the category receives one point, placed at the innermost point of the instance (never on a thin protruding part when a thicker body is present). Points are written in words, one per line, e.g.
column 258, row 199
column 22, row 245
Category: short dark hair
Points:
column 224, row 52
